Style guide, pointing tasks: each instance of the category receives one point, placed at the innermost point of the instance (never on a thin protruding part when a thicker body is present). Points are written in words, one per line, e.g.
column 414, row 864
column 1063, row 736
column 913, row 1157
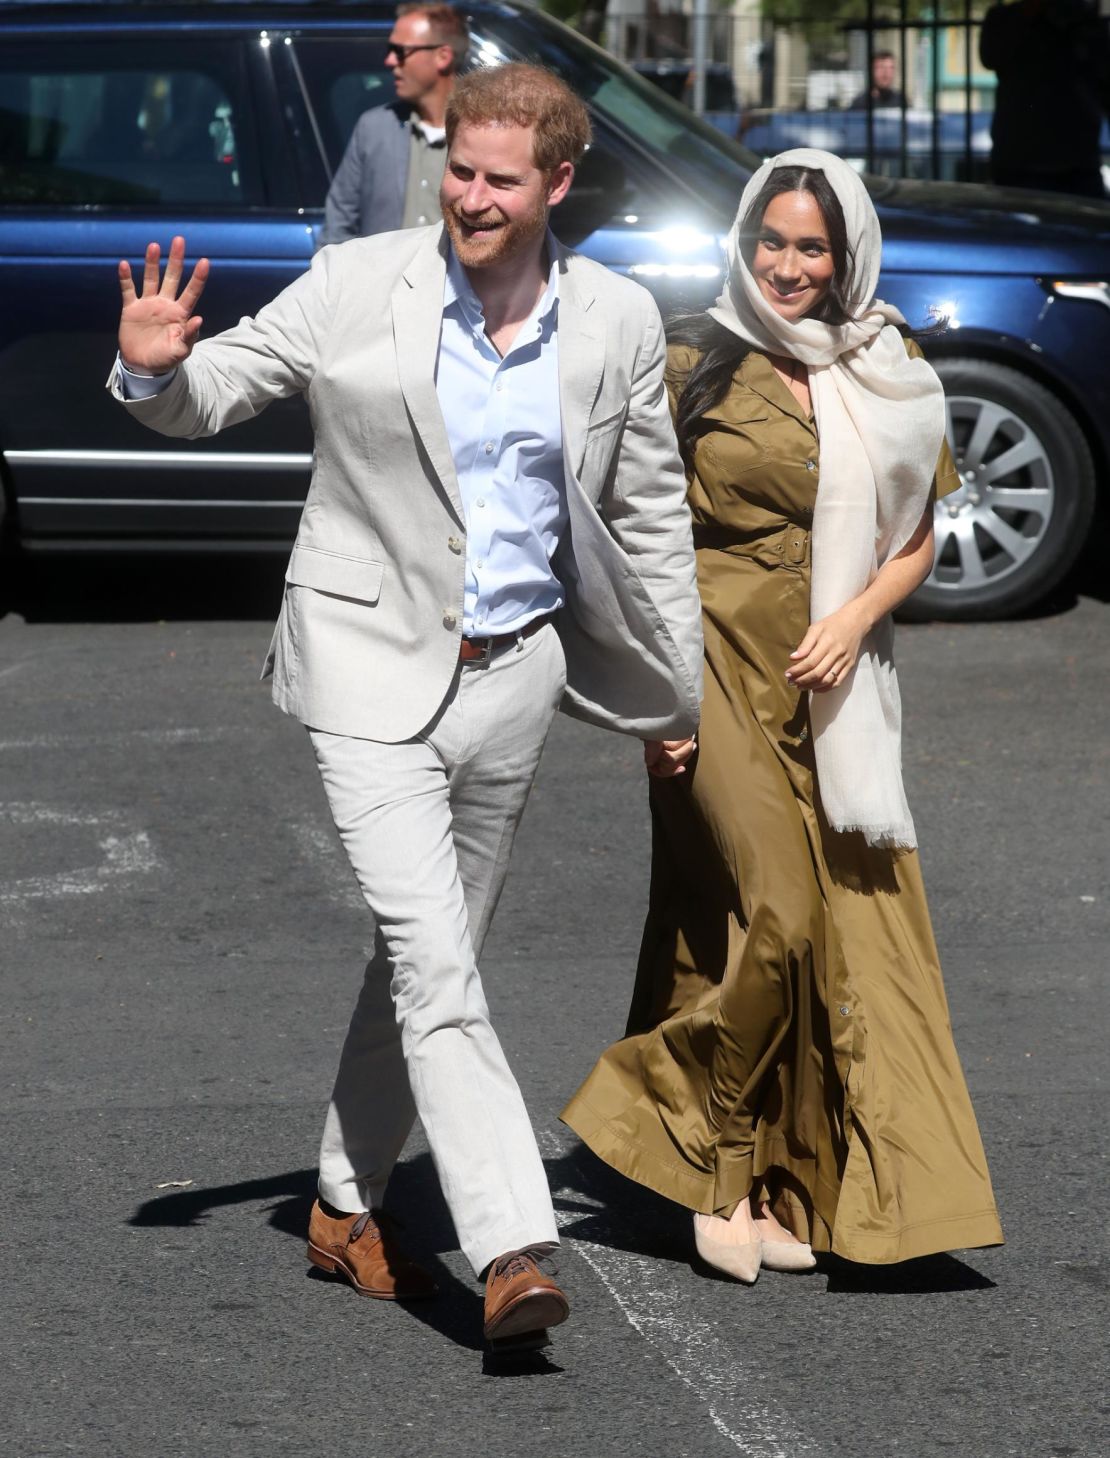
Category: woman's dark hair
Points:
column 723, row 352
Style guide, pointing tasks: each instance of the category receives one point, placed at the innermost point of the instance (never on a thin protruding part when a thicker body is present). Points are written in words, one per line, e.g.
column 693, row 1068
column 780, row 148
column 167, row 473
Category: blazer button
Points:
column 449, row 620
column 455, row 544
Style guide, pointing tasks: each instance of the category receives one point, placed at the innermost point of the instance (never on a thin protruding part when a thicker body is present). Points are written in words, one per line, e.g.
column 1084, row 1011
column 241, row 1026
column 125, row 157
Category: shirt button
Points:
column 481, row 562
column 449, row 619
column 481, row 501
column 489, row 448
column 811, row 465
column 423, row 182
column 454, row 544
column 499, row 387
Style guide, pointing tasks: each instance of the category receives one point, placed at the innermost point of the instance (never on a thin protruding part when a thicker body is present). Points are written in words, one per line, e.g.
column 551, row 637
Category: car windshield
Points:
column 699, row 157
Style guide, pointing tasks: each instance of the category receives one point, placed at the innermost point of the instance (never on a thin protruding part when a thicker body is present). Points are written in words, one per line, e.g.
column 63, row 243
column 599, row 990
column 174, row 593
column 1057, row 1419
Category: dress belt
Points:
column 790, row 544
column 480, row 650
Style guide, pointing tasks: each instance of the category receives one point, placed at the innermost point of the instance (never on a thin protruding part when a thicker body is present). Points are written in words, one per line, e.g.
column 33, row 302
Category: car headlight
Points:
column 1095, row 292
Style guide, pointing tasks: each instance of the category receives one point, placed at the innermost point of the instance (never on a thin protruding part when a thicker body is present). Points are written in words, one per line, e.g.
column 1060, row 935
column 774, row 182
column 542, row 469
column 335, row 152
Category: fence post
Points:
column 701, row 53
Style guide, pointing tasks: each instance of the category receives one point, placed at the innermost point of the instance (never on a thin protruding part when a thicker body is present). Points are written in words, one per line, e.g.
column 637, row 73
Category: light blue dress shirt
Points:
column 505, row 430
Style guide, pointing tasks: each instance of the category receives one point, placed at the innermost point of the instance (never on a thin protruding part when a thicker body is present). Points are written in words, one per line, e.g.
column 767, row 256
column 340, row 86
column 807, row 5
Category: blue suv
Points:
column 121, row 122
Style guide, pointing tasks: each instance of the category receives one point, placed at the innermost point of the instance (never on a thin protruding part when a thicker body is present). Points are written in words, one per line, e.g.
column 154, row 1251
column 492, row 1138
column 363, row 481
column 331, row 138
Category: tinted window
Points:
column 124, row 123
column 698, row 158
column 343, row 78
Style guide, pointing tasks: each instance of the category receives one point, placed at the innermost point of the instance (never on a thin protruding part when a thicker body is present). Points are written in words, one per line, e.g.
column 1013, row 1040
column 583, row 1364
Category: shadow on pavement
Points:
column 636, row 1220
column 143, row 587
column 455, row 1314
column 928, row 1274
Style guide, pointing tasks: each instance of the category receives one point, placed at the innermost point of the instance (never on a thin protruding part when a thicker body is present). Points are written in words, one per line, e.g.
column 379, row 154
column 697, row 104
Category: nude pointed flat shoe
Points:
column 787, row 1255
column 742, row 1262
column 782, row 1251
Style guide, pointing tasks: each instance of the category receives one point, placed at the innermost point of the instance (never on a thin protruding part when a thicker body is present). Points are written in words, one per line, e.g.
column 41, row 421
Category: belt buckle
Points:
column 482, row 658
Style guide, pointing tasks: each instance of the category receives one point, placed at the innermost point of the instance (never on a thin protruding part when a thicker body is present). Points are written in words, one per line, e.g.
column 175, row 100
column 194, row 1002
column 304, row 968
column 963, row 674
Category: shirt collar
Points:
column 434, row 136
column 456, row 288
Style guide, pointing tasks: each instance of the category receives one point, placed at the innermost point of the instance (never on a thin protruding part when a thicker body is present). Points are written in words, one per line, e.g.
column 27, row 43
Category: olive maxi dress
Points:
column 789, row 1034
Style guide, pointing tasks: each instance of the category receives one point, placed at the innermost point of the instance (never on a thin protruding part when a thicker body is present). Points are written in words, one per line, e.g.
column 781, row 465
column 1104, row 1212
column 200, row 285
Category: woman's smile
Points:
column 793, row 262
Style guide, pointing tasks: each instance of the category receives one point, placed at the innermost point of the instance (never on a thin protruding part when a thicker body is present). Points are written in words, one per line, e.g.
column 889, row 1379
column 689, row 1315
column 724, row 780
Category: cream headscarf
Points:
column 880, row 421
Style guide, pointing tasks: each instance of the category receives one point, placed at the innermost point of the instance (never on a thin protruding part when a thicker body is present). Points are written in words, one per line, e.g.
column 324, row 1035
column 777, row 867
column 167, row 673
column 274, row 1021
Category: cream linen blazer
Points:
column 367, row 642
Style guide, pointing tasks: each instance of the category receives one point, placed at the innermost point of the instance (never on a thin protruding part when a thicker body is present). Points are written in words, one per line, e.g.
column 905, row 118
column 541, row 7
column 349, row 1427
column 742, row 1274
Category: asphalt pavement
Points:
column 181, row 943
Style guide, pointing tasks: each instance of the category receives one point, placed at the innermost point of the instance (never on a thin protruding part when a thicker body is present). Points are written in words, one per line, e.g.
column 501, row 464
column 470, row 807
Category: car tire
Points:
column 1024, row 510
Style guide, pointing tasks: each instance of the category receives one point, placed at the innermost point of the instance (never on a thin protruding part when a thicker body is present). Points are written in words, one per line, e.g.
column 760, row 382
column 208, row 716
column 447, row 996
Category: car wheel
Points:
column 1024, row 508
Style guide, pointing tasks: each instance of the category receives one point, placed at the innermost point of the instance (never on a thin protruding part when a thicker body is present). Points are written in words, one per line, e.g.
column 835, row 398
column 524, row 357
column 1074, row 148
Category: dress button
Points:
column 454, row 544
column 811, row 465
column 844, row 1009
column 449, row 619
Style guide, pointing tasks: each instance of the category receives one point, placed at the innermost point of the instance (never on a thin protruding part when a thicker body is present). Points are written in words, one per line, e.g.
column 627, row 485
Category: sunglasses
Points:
column 404, row 52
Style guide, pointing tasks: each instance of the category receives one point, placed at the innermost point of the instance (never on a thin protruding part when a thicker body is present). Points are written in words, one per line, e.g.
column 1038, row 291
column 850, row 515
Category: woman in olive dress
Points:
column 788, row 1072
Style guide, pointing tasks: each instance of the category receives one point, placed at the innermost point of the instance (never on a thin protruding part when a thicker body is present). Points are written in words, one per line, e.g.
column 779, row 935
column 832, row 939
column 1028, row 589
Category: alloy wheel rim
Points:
column 990, row 528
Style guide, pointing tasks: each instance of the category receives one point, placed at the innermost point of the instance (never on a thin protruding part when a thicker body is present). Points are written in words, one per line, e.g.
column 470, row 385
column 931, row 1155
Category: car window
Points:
column 118, row 124
column 343, row 79
column 697, row 156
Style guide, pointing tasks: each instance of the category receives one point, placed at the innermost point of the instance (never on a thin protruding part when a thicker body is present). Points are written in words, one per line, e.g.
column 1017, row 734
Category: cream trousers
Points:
column 428, row 826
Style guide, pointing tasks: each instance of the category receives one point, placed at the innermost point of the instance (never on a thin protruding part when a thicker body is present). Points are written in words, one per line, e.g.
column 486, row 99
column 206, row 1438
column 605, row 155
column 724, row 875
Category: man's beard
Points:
column 507, row 238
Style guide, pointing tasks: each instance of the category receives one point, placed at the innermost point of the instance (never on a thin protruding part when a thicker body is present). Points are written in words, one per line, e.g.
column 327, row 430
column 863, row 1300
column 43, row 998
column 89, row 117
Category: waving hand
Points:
column 157, row 329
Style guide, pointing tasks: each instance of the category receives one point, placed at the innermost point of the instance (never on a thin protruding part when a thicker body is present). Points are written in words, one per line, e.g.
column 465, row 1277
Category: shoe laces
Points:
column 518, row 1262
column 366, row 1220
column 380, row 1223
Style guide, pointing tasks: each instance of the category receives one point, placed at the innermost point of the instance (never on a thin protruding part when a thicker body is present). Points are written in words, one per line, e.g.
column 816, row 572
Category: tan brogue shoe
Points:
column 364, row 1249
column 520, row 1299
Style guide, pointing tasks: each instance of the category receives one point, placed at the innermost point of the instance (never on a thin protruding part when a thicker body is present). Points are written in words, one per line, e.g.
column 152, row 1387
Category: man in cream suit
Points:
column 496, row 525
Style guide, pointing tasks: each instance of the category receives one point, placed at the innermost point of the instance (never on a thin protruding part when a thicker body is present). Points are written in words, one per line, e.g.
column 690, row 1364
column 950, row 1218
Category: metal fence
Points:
column 896, row 88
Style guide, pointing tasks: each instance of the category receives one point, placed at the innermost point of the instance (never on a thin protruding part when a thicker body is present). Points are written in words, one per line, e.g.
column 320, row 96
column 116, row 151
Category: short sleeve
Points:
column 947, row 478
column 681, row 359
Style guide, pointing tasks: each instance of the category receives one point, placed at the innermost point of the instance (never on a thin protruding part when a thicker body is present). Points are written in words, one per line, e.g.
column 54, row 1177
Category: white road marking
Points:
column 129, row 736
column 126, row 852
column 14, row 667
column 320, row 847
column 689, row 1346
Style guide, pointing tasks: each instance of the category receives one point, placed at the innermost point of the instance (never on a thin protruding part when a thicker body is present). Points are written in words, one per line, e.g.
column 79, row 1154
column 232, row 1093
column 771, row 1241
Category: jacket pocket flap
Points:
column 355, row 577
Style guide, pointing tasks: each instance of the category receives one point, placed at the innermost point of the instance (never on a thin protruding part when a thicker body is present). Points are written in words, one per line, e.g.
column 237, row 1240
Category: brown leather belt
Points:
column 480, row 650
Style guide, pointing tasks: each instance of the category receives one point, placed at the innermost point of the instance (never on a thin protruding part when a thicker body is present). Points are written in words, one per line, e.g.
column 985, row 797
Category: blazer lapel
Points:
column 581, row 360
column 417, row 308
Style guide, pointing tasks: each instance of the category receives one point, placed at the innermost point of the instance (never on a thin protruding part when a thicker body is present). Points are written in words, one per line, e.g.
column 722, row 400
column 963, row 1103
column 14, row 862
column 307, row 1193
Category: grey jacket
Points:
column 367, row 194
column 367, row 643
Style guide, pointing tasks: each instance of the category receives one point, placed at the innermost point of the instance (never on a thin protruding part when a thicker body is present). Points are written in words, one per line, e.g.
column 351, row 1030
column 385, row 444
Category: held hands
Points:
column 828, row 652
column 157, row 330
column 665, row 758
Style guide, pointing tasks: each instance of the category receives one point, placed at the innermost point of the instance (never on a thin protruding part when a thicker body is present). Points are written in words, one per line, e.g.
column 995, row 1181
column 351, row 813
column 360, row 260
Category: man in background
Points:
column 1053, row 67
column 393, row 166
column 883, row 91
